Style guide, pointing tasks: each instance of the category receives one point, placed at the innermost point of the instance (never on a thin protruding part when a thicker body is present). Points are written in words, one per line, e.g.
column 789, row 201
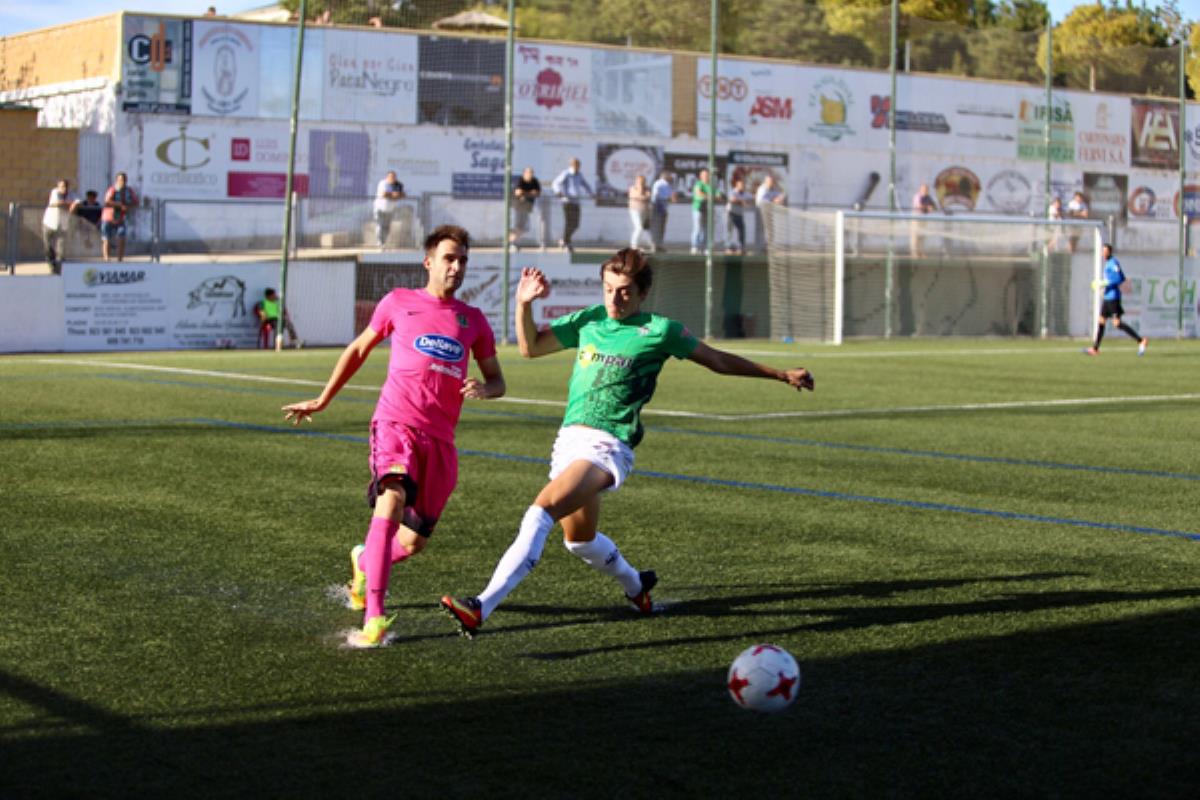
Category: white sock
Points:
column 602, row 555
column 518, row 560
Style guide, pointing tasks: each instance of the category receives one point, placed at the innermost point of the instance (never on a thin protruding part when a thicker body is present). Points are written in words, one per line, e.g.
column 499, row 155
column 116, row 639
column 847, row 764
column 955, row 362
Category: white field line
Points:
column 835, row 353
column 662, row 412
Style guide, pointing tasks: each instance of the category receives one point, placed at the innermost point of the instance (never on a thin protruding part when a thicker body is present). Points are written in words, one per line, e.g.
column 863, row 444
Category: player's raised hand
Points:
column 533, row 286
column 298, row 412
column 800, row 378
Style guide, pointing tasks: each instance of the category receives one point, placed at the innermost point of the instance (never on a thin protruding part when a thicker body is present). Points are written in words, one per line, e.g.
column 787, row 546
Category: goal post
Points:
column 838, row 274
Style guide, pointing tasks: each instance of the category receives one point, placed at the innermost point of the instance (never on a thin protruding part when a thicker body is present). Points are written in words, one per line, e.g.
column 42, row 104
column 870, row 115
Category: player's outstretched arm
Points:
column 347, row 364
column 725, row 363
column 530, row 340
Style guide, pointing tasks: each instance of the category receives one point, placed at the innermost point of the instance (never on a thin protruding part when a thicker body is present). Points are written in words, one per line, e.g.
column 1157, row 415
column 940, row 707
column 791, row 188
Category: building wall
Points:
column 34, row 158
column 70, row 52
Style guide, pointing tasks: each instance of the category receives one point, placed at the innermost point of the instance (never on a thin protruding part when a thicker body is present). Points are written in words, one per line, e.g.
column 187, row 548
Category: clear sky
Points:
column 25, row 15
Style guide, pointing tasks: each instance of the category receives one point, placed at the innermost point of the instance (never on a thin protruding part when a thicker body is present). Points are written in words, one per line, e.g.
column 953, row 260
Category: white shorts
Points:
column 581, row 443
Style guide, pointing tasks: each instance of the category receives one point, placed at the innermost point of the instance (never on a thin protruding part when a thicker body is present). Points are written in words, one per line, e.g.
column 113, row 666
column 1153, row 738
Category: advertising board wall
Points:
column 369, row 78
column 225, row 69
column 156, row 65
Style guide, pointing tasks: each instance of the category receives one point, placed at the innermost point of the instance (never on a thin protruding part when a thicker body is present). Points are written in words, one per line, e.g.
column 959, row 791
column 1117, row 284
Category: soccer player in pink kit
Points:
column 414, row 464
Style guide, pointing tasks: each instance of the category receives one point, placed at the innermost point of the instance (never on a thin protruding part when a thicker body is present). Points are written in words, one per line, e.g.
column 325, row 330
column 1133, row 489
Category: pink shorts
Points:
column 427, row 468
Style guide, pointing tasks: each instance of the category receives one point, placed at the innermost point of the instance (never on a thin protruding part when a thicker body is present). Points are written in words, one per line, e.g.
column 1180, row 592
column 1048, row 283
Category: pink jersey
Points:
column 431, row 340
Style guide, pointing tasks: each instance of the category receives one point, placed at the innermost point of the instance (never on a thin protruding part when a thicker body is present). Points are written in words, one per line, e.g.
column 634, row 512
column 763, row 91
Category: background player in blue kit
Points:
column 1111, row 305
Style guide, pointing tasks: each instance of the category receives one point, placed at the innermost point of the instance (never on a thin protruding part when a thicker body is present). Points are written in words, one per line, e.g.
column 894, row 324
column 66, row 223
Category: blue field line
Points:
column 765, row 487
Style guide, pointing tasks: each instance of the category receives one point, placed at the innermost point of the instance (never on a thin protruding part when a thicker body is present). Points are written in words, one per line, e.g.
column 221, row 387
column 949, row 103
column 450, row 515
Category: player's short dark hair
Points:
column 632, row 262
column 452, row 232
column 1111, row 249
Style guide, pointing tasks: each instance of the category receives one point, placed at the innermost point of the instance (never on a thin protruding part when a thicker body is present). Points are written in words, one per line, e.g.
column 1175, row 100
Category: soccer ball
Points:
column 764, row 677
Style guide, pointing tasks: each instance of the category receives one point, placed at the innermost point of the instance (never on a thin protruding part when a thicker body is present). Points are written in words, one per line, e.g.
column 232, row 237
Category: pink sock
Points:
column 377, row 562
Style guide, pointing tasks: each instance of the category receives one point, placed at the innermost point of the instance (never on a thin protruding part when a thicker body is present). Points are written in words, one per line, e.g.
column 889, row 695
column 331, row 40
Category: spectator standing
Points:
column 735, row 217
column 922, row 203
column 1076, row 209
column 661, row 195
column 525, row 195
column 118, row 200
column 387, row 192
column 639, row 211
column 570, row 186
column 701, row 194
column 1054, row 213
column 59, row 207
column 768, row 194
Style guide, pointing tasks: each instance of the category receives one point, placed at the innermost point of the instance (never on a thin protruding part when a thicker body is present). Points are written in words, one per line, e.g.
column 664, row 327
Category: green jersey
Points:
column 616, row 369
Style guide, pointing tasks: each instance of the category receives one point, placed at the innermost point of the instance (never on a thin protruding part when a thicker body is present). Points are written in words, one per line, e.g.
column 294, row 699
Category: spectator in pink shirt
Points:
column 414, row 464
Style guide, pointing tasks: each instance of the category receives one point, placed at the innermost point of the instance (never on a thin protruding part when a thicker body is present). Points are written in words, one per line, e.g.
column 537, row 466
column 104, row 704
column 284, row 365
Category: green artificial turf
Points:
column 983, row 556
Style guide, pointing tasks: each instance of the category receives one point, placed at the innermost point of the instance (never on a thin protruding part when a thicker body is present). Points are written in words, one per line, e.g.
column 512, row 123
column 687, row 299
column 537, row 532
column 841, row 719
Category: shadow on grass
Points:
column 1105, row 709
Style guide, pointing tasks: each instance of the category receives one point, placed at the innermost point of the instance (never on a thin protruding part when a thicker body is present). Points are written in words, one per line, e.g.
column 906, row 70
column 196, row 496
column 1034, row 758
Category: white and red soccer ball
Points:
column 764, row 677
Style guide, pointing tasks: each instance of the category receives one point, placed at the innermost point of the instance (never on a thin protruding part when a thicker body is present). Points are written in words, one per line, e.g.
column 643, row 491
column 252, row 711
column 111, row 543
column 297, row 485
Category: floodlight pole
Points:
column 1049, row 102
column 1183, row 148
column 505, row 288
column 287, row 187
column 1048, row 192
column 712, row 174
column 890, row 265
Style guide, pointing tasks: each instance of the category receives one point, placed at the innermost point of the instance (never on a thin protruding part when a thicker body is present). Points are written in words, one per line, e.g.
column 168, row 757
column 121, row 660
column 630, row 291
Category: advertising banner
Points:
column 1191, row 136
column 182, row 159
column 213, row 159
column 477, row 167
column 756, row 101
column 931, row 118
column 982, row 123
column 685, row 170
column 631, row 93
column 1032, row 114
column 1152, row 195
column 369, row 77
column 156, row 65
column 1106, row 194
column 461, row 82
column 753, row 167
column 1155, row 132
column 225, row 74
column 1102, row 128
column 553, row 89
column 116, row 306
column 619, row 165
column 338, row 163
column 1155, row 294
column 158, row 306
column 1012, row 191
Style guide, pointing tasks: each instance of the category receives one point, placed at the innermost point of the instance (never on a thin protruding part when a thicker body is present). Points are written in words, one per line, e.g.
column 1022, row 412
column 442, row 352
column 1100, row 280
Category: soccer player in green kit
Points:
column 621, row 350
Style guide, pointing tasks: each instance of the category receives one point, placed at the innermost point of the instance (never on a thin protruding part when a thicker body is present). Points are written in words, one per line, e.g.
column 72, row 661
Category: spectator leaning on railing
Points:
column 59, row 207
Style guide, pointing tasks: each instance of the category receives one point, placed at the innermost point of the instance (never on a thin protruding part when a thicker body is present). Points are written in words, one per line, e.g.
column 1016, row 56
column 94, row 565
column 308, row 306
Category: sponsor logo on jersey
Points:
column 589, row 355
column 439, row 346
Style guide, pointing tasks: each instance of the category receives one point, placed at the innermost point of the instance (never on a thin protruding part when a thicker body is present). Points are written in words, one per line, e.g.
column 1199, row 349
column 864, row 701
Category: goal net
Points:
column 835, row 274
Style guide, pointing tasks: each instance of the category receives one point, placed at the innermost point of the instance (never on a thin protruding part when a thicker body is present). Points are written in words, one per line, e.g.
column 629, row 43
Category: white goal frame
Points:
column 1082, row 225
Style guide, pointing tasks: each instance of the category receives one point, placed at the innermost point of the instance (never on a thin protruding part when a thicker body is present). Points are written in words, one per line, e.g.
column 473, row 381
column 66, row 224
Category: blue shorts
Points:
column 112, row 230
